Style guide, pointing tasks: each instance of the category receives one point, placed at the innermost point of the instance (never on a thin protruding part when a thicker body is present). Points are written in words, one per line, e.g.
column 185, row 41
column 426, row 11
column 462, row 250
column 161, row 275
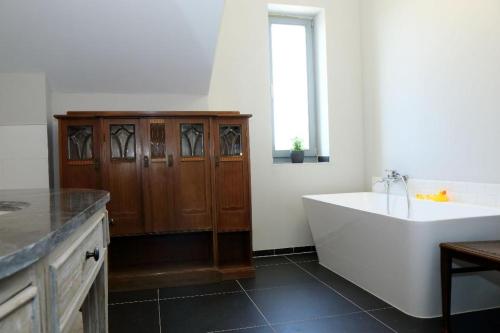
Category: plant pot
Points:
column 297, row 156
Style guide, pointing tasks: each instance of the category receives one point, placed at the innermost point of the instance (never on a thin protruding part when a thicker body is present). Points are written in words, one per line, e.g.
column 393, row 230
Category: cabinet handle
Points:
column 217, row 161
column 94, row 254
column 146, row 162
column 97, row 164
column 111, row 221
column 170, row 160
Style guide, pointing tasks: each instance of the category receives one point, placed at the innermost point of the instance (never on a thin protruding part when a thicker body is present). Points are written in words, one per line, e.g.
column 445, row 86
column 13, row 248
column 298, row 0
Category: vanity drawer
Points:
column 72, row 271
column 20, row 313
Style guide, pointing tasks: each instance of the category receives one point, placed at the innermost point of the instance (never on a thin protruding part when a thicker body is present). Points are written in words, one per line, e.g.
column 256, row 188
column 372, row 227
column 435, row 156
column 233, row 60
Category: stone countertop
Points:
column 40, row 219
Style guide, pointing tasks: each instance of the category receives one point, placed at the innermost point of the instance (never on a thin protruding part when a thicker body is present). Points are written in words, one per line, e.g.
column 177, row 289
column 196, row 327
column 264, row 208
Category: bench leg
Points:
column 446, row 289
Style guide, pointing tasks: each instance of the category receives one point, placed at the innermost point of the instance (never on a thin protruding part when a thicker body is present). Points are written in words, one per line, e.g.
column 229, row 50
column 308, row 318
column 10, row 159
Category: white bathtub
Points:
column 397, row 259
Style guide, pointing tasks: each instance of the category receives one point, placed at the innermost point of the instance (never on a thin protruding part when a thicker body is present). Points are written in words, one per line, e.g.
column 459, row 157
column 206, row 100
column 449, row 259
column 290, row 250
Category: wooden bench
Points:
column 484, row 255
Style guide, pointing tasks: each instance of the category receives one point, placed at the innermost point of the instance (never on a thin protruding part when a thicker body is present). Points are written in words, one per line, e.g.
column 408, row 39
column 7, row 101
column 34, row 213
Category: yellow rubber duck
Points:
column 441, row 196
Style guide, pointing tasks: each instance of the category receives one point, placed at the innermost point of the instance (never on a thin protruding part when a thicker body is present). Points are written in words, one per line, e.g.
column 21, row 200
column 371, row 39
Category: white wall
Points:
column 432, row 88
column 22, row 99
column 60, row 103
column 23, row 131
column 240, row 81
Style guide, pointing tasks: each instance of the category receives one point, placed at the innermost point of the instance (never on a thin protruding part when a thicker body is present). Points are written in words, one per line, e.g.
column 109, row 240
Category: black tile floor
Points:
column 291, row 293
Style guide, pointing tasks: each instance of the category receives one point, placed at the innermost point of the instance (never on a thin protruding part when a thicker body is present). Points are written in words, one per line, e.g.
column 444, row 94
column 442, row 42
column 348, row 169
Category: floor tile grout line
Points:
column 271, row 265
column 381, row 309
column 132, row 302
column 339, row 315
column 201, row 295
column 288, row 322
column 284, row 263
column 238, row 329
column 256, row 306
column 159, row 309
column 177, row 297
column 346, row 298
column 282, row 286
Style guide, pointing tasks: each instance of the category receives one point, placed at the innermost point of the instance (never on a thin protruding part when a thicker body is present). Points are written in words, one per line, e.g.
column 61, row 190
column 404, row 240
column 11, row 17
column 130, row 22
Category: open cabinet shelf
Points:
column 162, row 260
column 234, row 249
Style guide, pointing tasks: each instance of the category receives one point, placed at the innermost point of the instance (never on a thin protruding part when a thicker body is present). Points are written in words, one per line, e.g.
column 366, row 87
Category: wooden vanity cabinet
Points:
column 180, row 187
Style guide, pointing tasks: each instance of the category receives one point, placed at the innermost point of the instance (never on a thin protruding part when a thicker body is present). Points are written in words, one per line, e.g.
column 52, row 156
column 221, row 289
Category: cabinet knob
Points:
column 146, row 161
column 94, row 254
column 111, row 221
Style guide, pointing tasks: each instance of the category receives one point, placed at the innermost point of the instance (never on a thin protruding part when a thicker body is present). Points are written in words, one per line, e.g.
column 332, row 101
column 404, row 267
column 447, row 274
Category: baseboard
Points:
column 286, row 250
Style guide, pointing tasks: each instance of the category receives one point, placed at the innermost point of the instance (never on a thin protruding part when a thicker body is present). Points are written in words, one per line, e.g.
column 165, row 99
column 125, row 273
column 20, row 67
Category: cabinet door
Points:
column 79, row 159
column 232, row 176
column 122, row 175
column 191, row 175
column 157, row 174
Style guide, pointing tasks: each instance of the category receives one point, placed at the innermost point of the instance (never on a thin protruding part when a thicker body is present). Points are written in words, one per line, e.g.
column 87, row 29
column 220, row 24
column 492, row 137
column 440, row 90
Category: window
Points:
column 293, row 84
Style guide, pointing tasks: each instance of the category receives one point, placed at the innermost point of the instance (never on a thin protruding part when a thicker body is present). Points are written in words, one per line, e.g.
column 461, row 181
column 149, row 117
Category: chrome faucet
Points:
column 391, row 177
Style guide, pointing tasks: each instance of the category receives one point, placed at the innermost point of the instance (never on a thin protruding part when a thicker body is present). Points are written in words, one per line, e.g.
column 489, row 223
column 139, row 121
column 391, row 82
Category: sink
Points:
column 10, row 206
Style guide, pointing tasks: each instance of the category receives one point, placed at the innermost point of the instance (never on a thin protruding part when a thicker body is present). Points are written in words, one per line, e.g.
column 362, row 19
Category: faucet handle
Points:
column 389, row 173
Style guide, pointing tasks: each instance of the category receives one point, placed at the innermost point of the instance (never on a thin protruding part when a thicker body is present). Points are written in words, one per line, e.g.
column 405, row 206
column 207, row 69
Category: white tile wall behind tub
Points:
column 466, row 192
column 23, row 156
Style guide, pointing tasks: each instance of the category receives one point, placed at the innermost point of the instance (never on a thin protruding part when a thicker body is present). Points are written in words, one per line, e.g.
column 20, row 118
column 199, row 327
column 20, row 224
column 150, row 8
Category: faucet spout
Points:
column 393, row 176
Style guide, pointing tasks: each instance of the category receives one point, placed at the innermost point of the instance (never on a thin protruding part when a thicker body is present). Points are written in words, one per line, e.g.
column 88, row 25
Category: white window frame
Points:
column 308, row 23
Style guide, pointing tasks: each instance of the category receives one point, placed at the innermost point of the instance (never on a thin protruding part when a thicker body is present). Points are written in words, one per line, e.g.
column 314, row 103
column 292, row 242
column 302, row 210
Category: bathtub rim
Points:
column 315, row 197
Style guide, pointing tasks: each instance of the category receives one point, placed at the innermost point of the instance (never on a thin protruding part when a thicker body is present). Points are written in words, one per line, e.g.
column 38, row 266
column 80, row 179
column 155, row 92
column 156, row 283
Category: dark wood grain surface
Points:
column 180, row 212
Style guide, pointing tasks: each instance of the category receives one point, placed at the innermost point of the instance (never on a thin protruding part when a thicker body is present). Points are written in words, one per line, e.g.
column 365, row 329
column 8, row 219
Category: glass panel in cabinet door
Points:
column 192, row 140
column 157, row 140
column 122, row 141
column 80, row 141
column 230, row 140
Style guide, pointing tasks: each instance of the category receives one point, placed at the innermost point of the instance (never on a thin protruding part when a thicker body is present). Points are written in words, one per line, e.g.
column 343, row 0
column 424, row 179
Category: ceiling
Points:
column 112, row 46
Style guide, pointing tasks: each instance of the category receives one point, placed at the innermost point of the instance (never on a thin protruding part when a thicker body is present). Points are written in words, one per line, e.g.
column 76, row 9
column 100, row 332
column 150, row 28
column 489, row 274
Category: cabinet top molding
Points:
column 155, row 114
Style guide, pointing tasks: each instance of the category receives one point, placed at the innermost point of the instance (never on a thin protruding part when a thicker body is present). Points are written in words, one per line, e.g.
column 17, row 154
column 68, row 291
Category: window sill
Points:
column 307, row 159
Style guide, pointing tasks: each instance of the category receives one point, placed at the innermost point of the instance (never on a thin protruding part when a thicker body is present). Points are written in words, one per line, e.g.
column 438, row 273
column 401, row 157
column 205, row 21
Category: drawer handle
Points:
column 94, row 254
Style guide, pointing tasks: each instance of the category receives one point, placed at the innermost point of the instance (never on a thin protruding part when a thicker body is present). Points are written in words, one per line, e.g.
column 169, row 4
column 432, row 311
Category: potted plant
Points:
column 297, row 154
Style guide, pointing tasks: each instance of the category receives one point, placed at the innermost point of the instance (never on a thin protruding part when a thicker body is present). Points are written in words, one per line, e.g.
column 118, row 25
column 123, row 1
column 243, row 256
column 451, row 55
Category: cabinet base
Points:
column 162, row 276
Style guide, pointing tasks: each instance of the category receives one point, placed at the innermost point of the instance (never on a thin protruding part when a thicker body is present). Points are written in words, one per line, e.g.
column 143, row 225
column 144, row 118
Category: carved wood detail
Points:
column 177, row 181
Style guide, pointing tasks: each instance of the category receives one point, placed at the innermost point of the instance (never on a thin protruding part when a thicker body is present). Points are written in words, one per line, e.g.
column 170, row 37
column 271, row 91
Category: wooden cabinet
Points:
column 157, row 174
column 79, row 151
column 232, row 175
column 191, row 174
column 105, row 154
column 180, row 190
column 121, row 174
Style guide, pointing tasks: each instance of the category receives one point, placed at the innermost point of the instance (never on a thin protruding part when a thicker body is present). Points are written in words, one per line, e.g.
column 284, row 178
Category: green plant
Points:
column 297, row 144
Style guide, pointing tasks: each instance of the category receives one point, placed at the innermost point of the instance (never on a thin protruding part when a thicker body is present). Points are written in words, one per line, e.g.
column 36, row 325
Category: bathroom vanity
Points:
column 53, row 260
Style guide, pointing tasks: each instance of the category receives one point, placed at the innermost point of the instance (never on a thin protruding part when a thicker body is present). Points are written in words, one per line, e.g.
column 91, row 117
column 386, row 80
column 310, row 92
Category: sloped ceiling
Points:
column 112, row 46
